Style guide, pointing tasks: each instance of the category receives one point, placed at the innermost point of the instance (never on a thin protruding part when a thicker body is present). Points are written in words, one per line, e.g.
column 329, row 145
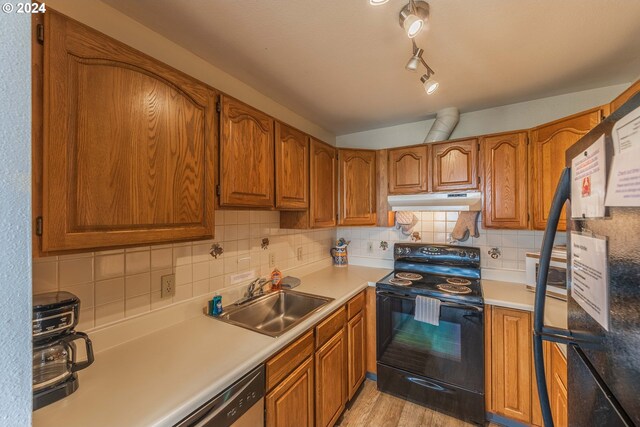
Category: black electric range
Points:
column 437, row 365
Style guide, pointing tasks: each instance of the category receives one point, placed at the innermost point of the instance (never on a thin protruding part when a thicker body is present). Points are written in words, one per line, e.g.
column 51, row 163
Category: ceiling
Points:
column 340, row 63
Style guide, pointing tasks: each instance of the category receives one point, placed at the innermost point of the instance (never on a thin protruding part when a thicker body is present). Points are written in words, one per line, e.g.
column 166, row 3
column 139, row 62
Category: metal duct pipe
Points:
column 446, row 121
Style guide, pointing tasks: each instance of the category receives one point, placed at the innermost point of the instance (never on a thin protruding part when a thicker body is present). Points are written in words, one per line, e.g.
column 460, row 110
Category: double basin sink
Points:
column 274, row 313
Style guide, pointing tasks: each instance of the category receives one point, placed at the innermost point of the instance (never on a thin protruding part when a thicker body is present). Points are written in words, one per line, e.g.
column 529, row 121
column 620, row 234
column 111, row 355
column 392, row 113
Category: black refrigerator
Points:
column 603, row 365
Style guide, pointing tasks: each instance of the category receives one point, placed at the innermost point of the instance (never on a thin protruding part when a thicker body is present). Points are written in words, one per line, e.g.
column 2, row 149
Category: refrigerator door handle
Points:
column 562, row 194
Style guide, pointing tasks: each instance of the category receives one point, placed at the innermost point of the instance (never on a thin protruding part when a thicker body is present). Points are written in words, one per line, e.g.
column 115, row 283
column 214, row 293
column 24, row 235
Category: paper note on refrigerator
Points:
column 623, row 188
column 590, row 276
column 626, row 133
column 588, row 182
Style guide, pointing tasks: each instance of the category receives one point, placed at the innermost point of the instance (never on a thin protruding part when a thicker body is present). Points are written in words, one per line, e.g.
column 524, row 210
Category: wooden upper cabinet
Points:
column 128, row 147
column 292, row 168
column 548, row 144
column 409, row 170
column 246, row 156
column 504, row 162
column 357, row 187
column 511, row 363
column 624, row 96
column 323, row 175
column 455, row 165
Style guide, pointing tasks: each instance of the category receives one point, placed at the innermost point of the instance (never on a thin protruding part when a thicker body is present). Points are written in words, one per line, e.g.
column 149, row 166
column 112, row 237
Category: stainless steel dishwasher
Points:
column 240, row 405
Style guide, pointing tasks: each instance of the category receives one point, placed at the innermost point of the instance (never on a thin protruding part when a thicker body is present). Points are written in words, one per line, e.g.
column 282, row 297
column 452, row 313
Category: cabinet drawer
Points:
column 288, row 359
column 355, row 305
column 330, row 326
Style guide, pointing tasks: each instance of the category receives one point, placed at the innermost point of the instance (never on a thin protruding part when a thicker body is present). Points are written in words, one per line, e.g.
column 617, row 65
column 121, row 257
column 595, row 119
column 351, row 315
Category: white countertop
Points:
column 515, row 295
column 160, row 378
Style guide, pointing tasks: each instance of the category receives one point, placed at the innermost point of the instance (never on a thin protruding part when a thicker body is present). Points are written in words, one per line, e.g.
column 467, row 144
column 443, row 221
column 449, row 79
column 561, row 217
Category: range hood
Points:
column 467, row 201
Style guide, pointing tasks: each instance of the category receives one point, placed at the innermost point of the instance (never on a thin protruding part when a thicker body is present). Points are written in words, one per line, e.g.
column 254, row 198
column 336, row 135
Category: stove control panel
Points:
column 434, row 253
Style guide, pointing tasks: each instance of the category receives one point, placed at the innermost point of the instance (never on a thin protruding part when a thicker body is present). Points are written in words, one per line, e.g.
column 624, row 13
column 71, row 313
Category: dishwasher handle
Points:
column 231, row 404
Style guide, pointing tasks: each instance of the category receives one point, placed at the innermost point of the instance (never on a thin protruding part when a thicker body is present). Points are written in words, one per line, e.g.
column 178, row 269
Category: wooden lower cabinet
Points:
column 511, row 390
column 356, row 341
column 310, row 381
column 290, row 404
column 331, row 375
column 557, row 385
column 511, row 363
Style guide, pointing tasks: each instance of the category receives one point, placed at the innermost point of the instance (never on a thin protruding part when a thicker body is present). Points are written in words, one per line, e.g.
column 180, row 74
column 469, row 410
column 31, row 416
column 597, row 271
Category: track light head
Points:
column 415, row 60
column 430, row 85
column 413, row 17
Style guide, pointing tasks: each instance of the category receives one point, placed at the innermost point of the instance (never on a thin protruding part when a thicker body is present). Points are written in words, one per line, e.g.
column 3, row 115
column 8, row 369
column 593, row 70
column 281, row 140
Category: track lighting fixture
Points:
column 413, row 17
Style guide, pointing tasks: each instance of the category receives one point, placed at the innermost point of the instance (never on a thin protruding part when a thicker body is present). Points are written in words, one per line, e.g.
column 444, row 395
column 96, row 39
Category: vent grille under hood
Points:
column 469, row 201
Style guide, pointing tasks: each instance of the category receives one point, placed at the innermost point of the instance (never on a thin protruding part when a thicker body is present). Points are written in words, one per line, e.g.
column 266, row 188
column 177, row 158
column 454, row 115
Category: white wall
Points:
column 522, row 115
column 113, row 23
column 15, row 214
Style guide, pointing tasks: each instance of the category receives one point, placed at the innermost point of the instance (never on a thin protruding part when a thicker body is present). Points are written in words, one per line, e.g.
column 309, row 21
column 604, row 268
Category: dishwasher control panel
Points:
column 227, row 407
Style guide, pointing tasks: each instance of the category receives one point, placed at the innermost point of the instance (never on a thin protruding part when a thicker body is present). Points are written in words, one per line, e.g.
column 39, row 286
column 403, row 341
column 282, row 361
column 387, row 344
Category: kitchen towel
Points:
column 427, row 310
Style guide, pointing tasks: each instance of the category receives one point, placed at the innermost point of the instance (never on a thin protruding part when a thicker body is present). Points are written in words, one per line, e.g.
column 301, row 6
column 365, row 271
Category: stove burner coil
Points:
column 408, row 276
column 400, row 282
column 458, row 281
column 454, row 289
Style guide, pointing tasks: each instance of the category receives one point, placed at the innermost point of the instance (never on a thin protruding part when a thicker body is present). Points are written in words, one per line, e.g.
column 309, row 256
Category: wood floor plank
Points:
column 372, row 408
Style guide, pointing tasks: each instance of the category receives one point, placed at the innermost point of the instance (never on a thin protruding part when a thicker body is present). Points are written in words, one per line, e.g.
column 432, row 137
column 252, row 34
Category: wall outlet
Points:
column 299, row 253
column 272, row 260
column 167, row 286
column 370, row 247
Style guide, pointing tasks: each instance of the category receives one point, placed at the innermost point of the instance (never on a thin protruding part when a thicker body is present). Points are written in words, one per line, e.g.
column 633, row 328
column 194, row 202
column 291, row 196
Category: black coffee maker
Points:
column 55, row 363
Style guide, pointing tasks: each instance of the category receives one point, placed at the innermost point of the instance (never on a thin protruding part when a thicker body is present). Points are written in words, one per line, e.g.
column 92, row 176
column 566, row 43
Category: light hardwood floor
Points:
column 372, row 408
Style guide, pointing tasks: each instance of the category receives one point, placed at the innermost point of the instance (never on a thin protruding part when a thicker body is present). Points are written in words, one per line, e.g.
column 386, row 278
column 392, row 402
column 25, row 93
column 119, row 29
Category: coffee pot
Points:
column 56, row 354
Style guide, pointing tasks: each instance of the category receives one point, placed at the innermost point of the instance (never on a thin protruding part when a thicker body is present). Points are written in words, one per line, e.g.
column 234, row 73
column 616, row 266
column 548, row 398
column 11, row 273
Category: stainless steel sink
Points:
column 274, row 313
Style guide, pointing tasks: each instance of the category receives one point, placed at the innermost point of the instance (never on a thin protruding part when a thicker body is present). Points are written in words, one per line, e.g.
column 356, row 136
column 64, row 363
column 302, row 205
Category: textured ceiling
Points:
column 340, row 63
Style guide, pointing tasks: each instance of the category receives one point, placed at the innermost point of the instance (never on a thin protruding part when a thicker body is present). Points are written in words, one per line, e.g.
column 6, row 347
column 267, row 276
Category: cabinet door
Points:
column 331, row 377
column 129, row 144
column 558, row 385
column 408, row 170
column 511, row 363
column 292, row 168
column 290, row 404
column 624, row 96
column 455, row 165
column 504, row 161
column 548, row 145
column 357, row 187
column 357, row 350
column 246, row 156
column 323, row 205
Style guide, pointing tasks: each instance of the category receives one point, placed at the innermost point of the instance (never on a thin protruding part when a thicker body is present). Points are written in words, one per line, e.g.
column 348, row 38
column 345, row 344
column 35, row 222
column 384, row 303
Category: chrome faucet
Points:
column 255, row 289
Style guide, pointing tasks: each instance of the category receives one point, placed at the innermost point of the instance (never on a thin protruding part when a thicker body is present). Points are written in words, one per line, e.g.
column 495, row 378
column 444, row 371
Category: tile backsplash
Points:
column 435, row 227
column 114, row 285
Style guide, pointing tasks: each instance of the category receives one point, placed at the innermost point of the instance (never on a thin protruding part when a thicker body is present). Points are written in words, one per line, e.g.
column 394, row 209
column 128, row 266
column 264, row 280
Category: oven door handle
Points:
column 442, row 303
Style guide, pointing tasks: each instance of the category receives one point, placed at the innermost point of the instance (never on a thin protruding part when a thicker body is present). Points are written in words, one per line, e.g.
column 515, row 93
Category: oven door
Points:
column 452, row 352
